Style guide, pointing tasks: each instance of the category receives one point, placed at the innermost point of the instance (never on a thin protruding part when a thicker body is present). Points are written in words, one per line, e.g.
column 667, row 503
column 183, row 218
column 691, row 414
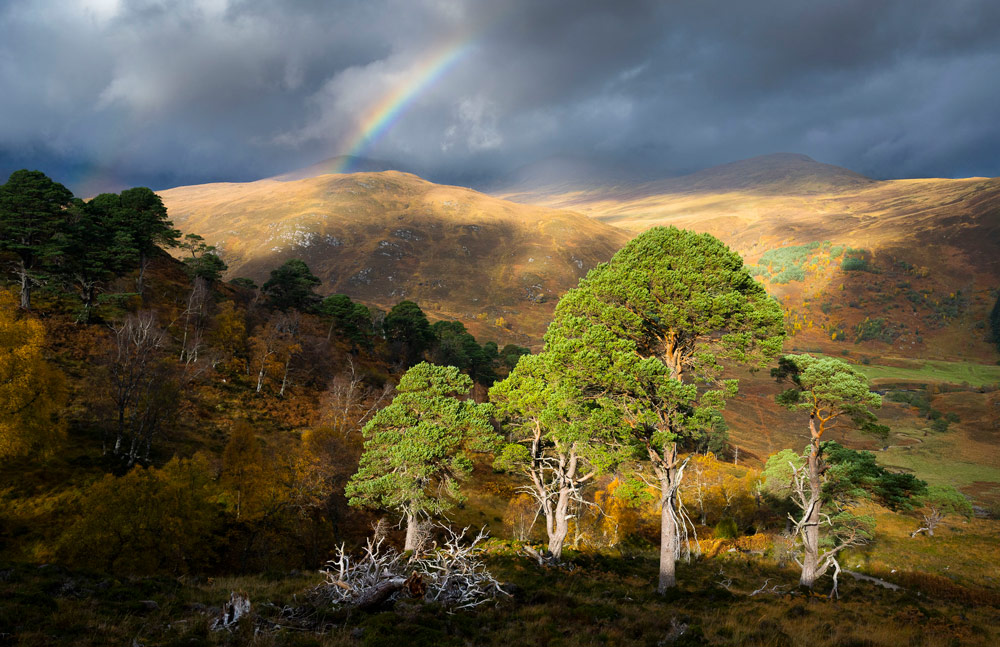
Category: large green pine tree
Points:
column 561, row 432
column 143, row 215
column 408, row 331
column 93, row 250
column 353, row 320
column 291, row 286
column 686, row 306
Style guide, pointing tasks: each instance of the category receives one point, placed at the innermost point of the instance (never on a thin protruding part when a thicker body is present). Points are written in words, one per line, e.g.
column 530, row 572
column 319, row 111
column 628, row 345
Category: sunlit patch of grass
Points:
column 935, row 371
column 963, row 550
column 934, row 460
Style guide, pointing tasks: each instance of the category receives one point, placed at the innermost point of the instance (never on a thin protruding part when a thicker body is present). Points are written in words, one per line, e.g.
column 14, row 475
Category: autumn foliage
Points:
column 31, row 390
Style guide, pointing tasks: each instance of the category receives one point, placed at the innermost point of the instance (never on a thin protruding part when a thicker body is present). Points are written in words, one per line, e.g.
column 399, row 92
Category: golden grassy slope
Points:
column 384, row 237
column 947, row 231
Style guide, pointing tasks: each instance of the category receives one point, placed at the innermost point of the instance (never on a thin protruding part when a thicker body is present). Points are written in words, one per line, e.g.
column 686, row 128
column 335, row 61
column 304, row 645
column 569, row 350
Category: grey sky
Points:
column 110, row 93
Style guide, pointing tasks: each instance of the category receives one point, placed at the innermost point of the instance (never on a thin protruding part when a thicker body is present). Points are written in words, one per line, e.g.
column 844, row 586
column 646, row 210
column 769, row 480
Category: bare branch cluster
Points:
column 453, row 574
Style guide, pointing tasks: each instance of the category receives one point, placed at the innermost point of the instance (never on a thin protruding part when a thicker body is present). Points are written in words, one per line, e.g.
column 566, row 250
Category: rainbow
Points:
column 384, row 114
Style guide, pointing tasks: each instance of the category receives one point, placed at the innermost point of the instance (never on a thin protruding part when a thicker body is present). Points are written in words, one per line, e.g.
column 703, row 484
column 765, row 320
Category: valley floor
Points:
column 732, row 598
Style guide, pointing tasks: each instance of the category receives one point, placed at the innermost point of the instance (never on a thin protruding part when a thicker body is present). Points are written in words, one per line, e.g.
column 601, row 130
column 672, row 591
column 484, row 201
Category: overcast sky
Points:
column 99, row 93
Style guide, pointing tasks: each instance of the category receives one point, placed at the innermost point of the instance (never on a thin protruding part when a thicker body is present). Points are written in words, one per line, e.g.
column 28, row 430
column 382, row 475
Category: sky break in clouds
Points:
column 103, row 94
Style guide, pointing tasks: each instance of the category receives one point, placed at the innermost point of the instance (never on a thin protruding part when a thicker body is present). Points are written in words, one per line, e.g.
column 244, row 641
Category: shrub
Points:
column 854, row 264
column 789, row 274
column 726, row 529
column 875, row 330
column 146, row 521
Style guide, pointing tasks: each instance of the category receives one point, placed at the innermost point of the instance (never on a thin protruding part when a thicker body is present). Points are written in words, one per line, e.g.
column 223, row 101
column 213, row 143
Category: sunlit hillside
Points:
column 927, row 248
column 383, row 237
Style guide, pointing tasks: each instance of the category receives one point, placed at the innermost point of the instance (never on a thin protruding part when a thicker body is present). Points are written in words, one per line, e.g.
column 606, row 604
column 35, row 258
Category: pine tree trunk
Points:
column 810, row 532
column 412, row 530
column 668, row 543
column 140, row 280
column 561, row 524
column 25, row 288
column 666, row 467
column 88, row 302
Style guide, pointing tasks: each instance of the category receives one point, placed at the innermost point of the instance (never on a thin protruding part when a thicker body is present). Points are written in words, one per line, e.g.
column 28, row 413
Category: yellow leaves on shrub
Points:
column 258, row 484
column 714, row 490
column 520, row 516
column 31, row 392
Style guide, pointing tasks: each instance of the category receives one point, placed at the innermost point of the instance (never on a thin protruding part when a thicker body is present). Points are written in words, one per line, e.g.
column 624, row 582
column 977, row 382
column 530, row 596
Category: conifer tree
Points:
column 831, row 392
column 92, row 250
column 31, row 213
column 143, row 215
column 291, row 287
column 408, row 331
column 686, row 306
column 419, row 448
column 561, row 434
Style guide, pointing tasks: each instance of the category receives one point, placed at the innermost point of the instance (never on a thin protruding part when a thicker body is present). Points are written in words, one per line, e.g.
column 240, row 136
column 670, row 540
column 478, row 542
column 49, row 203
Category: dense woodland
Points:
column 158, row 421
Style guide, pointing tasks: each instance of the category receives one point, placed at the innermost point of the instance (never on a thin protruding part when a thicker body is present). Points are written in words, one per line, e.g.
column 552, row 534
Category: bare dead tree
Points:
column 776, row 589
column 455, row 573
column 139, row 381
column 193, row 321
column 350, row 402
column 931, row 520
column 233, row 611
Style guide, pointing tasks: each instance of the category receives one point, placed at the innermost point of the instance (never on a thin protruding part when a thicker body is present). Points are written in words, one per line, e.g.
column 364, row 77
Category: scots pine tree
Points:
column 31, row 212
column 686, row 306
column 419, row 448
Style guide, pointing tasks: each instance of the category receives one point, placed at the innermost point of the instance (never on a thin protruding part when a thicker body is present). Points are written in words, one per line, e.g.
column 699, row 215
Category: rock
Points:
column 149, row 605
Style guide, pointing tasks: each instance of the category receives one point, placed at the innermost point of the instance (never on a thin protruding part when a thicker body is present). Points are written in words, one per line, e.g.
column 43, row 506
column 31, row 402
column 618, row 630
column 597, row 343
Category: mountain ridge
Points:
column 382, row 237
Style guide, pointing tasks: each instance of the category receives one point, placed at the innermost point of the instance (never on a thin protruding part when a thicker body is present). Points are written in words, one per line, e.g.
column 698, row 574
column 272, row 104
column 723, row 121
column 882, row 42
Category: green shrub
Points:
column 786, row 264
column 875, row 330
column 789, row 274
column 726, row 529
column 854, row 264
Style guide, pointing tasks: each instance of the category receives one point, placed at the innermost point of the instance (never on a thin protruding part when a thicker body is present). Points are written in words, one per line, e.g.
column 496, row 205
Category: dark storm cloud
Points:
column 106, row 92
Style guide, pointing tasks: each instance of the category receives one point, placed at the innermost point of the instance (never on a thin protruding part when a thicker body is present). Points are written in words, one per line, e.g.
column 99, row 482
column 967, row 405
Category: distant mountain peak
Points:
column 789, row 157
column 338, row 164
